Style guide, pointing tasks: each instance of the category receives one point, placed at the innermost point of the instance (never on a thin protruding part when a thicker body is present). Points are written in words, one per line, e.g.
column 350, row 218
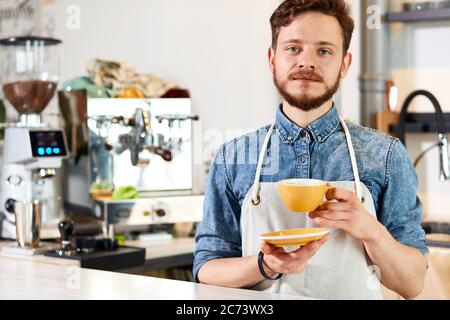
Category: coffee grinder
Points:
column 32, row 150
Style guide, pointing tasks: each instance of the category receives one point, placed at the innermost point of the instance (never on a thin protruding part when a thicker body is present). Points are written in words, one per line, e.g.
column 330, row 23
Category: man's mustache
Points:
column 306, row 75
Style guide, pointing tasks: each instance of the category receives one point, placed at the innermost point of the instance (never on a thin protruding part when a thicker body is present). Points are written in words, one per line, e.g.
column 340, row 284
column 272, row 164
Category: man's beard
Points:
column 303, row 101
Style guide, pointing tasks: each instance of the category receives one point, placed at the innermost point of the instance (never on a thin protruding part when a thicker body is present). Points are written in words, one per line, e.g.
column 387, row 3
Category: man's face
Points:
column 309, row 60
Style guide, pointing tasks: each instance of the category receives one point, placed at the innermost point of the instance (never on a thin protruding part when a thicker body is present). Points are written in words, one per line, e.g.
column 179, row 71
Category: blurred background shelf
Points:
column 419, row 16
column 415, row 122
column 421, row 123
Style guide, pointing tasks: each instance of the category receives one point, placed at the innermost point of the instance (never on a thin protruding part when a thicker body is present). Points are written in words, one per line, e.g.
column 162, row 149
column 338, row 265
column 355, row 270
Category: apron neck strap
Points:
column 353, row 160
column 262, row 156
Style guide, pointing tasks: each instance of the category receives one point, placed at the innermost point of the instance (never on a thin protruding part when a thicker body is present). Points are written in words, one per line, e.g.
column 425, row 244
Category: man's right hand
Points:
column 276, row 260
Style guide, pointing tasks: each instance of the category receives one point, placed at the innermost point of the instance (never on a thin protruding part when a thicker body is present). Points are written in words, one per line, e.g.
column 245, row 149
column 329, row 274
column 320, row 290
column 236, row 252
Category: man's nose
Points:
column 306, row 60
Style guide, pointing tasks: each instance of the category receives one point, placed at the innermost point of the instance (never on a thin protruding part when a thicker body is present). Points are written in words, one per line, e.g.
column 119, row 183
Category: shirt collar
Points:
column 320, row 129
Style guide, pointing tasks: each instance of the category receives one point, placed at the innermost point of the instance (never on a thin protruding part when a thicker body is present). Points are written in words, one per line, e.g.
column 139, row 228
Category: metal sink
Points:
column 437, row 234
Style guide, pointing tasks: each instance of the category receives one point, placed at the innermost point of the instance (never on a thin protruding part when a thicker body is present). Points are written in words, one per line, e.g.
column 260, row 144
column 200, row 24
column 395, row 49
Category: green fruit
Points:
column 125, row 192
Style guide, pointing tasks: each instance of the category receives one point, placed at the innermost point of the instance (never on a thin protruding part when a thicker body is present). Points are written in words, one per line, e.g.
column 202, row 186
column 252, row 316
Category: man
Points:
column 378, row 226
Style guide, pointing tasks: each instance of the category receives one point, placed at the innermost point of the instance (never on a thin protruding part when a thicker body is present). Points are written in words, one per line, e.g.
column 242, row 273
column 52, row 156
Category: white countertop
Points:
column 164, row 248
column 28, row 279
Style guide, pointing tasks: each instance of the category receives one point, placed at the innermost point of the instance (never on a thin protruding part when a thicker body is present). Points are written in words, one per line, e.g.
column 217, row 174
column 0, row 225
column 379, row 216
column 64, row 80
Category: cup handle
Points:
column 328, row 188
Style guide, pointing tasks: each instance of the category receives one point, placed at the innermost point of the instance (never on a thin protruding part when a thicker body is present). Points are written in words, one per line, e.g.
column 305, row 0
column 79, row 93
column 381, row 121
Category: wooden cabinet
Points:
column 385, row 119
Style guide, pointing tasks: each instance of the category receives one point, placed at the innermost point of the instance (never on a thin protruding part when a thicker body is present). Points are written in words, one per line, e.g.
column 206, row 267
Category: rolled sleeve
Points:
column 401, row 208
column 218, row 235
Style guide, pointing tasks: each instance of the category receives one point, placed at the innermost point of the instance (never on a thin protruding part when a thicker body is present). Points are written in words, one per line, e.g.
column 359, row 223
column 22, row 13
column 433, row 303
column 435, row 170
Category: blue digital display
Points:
column 48, row 143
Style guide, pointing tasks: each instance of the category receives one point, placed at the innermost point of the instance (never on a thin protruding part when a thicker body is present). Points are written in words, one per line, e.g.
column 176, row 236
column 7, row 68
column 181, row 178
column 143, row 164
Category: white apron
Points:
column 340, row 269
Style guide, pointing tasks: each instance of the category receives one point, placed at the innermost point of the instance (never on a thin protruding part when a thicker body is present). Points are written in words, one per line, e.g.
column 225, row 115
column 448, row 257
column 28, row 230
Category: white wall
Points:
column 349, row 92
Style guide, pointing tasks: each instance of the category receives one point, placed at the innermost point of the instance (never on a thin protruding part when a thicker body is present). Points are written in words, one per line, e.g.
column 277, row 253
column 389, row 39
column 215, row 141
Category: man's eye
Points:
column 324, row 52
column 293, row 49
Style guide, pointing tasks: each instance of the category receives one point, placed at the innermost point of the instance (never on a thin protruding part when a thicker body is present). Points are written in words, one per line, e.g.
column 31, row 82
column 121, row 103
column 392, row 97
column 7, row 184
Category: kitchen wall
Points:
column 349, row 95
column 419, row 60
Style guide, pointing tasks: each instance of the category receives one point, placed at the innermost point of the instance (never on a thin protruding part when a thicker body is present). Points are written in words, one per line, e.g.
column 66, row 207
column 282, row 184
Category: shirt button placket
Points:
column 304, row 154
column 305, row 166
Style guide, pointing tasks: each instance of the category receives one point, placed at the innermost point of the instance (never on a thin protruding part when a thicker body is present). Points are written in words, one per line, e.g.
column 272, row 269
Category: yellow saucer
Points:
column 293, row 237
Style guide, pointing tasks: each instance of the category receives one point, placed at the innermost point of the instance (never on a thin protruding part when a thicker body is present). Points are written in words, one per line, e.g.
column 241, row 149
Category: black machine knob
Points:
column 9, row 205
column 66, row 229
column 160, row 212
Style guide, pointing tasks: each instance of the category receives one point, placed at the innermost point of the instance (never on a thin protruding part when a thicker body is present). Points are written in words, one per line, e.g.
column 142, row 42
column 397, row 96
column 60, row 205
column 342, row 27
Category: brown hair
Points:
column 290, row 9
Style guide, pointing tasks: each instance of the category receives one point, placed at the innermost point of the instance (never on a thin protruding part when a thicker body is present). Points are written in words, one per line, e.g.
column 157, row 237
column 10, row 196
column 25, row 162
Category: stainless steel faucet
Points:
column 443, row 141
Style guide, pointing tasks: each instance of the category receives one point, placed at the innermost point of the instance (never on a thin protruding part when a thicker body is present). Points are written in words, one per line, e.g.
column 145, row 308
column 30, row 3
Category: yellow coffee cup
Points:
column 303, row 195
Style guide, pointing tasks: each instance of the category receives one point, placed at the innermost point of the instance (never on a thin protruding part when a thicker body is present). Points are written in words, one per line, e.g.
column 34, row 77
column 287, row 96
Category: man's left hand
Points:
column 345, row 212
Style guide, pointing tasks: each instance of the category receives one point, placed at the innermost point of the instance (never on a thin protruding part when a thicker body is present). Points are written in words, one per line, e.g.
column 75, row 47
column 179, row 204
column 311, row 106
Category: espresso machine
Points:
column 150, row 148
column 32, row 151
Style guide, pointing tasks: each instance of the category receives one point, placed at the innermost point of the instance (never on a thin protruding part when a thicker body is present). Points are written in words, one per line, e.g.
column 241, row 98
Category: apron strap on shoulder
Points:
column 262, row 155
column 353, row 159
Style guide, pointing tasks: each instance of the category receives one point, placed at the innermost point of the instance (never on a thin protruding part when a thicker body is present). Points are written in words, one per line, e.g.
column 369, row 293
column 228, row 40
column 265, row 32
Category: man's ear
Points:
column 346, row 64
column 271, row 56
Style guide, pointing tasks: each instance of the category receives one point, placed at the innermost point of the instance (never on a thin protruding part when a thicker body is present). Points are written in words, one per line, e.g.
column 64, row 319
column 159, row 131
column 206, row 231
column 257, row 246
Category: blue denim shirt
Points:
column 318, row 152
